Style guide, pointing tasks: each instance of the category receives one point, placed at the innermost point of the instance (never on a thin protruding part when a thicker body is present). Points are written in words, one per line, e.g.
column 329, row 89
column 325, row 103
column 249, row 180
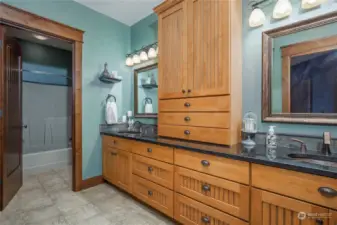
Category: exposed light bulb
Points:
column 157, row 50
column 129, row 61
column 152, row 53
column 282, row 9
column 308, row 4
column 257, row 18
column 136, row 59
column 143, row 56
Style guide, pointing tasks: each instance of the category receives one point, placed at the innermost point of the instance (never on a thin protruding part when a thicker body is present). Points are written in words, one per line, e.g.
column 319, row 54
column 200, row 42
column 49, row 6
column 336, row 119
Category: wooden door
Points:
column 172, row 52
column 11, row 120
column 110, row 164
column 208, row 47
column 124, row 170
column 272, row 209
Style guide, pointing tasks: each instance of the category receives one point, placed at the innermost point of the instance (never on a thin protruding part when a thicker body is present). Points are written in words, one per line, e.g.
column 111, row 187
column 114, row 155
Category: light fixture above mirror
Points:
column 144, row 54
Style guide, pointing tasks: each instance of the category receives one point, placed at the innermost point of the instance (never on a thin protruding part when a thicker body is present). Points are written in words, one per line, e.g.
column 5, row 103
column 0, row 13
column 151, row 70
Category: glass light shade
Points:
column 308, row 4
column 143, row 56
column 136, row 59
column 282, row 9
column 257, row 18
column 152, row 53
column 129, row 61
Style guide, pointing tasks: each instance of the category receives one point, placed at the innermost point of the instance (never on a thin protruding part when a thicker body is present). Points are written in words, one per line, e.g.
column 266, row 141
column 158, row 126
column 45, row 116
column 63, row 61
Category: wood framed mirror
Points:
column 146, row 91
column 299, row 72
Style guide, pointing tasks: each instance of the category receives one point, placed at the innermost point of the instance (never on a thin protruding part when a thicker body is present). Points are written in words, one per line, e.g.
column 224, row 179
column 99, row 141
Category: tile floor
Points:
column 46, row 199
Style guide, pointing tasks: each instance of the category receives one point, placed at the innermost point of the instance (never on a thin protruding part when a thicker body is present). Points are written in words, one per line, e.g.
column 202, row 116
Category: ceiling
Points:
column 29, row 36
column 126, row 11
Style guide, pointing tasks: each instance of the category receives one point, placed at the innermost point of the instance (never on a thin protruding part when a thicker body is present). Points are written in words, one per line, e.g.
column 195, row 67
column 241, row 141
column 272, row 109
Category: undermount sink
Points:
column 128, row 132
column 315, row 159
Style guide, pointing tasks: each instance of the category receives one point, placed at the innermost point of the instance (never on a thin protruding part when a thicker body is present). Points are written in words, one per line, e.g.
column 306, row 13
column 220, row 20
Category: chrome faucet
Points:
column 303, row 145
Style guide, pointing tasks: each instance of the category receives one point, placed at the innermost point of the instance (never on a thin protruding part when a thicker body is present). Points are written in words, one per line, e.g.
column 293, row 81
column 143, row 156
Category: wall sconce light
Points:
column 283, row 8
column 309, row 4
column 257, row 18
column 143, row 54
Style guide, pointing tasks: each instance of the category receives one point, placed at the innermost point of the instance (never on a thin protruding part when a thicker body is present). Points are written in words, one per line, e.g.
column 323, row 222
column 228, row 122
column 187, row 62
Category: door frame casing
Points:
column 14, row 17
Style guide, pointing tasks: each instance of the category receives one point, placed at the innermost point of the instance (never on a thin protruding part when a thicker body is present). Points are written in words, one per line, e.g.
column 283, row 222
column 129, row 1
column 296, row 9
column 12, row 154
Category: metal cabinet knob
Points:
column 149, row 149
column 327, row 192
column 187, row 132
column 189, row 90
column 205, row 219
column 187, row 118
column 205, row 163
column 206, row 187
column 187, row 104
column 150, row 169
column 183, row 91
column 150, row 193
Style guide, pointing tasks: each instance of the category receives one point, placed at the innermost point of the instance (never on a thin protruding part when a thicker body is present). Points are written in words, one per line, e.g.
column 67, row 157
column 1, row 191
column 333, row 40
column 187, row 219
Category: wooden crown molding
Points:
column 31, row 21
column 165, row 5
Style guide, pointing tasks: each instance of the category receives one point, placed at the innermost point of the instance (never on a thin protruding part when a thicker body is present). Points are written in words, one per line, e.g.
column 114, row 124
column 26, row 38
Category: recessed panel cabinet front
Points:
column 271, row 209
column 110, row 164
column 172, row 52
column 124, row 170
column 208, row 51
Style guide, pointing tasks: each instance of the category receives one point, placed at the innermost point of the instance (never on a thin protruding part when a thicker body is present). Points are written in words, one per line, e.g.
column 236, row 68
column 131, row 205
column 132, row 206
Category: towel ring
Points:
column 148, row 100
column 110, row 96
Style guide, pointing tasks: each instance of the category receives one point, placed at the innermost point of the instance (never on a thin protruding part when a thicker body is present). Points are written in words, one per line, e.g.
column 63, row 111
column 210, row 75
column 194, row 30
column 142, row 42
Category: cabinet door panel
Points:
column 110, row 164
column 172, row 52
column 208, row 47
column 272, row 209
column 124, row 170
column 333, row 218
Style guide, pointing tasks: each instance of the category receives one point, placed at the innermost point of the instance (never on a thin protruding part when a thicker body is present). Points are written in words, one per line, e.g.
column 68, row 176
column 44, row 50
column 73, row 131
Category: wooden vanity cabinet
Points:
column 333, row 219
column 110, row 164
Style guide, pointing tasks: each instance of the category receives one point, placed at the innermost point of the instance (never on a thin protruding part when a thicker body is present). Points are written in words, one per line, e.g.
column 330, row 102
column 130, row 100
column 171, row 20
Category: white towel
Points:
column 111, row 115
column 148, row 108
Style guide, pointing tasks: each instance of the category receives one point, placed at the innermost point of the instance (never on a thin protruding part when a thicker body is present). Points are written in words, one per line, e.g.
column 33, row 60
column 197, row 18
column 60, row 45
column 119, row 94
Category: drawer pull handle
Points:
column 187, row 104
column 149, row 150
column 150, row 169
column 319, row 222
column 327, row 192
column 205, row 163
column 206, row 187
column 150, row 193
column 205, row 219
column 187, row 118
column 187, row 132
column 183, row 91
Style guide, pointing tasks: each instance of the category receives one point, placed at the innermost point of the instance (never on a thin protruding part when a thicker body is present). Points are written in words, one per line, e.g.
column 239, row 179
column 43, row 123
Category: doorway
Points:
column 11, row 75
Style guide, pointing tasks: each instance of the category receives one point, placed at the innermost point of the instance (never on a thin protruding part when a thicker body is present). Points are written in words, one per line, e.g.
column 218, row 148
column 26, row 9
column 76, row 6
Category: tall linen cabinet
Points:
column 200, row 70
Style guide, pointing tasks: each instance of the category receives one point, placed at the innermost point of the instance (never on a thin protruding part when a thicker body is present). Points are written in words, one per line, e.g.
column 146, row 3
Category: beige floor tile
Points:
column 41, row 214
column 98, row 193
column 59, row 220
column 76, row 215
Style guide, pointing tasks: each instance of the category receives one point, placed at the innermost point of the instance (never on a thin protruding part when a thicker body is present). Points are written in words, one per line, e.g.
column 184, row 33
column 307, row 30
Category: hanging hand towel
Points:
column 114, row 111
column 111, row 113
column 148, row 106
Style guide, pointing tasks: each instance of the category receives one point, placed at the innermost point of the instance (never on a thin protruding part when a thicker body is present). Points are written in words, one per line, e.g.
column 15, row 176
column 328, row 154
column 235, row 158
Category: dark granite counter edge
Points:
column 276, row 164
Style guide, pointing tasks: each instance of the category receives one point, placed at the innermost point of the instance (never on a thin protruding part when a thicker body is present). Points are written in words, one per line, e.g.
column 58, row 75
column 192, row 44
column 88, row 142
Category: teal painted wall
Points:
column 278, row 43
column 252, row 70
column 143, row 33
column 105, row 40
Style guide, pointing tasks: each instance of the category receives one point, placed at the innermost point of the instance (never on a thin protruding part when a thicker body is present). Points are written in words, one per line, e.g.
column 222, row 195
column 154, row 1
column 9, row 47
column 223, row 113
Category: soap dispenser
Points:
column 271, row 138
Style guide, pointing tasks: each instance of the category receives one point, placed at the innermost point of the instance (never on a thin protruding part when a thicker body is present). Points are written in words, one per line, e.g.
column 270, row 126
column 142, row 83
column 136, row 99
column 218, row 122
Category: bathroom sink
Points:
column 128, row 132
column 315, row 159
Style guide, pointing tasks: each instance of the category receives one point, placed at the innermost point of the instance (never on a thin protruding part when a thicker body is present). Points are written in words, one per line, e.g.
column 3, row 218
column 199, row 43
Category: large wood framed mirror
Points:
column 299, row 64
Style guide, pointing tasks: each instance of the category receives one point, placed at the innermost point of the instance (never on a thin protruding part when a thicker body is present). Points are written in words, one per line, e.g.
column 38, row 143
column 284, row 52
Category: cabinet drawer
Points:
column 156, row 171
column 211, row 135
column 205, row 104
column 230, row 169
column 190, row 212
column 207, row 119
column 228, row 196
column 294, row 184
column 119, row 143
column 155, row 195
column 153, row 151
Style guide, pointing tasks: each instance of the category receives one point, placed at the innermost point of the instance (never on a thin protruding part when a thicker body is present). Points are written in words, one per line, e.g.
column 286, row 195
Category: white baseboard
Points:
column 47, row 160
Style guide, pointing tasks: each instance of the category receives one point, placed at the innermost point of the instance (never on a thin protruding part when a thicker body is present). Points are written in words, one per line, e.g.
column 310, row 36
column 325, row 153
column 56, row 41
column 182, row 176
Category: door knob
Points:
column 205, row 163
column 187, row 104
column 206, row 187
column 187, row 132
column 149, row 150
column 25, row 126
column 150, row 169
column 187, row 118
column 183, row 91
column 205, row 219
column 189, row 90
column 150, row 193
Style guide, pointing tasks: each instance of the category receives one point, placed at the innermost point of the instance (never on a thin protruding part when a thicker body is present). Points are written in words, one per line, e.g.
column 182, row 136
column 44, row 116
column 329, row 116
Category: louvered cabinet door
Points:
column 172, row 52
column 227, row 196
column 272, row 209
column 124, row 170
column 208, row 47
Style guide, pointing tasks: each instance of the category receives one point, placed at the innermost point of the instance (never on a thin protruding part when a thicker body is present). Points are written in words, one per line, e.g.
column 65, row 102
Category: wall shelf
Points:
column 149, row 86
column 109, row 80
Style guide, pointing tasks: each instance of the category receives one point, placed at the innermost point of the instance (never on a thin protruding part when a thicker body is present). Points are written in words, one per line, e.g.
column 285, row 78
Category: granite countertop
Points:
column 258, row 154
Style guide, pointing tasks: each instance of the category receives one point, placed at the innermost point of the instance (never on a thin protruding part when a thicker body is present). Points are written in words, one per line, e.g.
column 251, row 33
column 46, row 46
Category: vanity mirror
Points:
column 146, row 91
column 300, row 72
